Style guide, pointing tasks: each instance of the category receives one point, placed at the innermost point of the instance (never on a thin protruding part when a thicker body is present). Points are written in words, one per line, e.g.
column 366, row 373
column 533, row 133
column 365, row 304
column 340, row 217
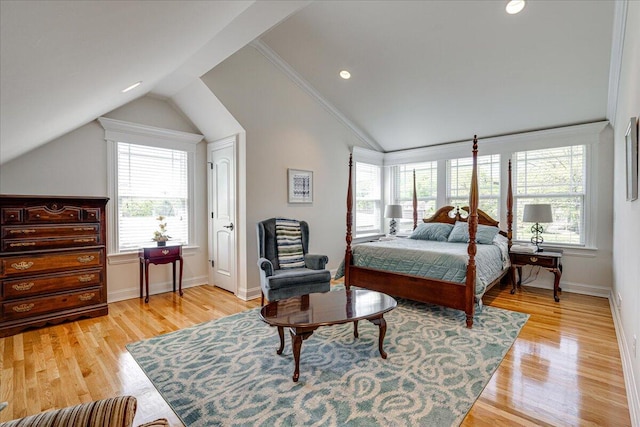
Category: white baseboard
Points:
column 249, row 294
column 627, row 367
column 576, row 288
column 157, row 288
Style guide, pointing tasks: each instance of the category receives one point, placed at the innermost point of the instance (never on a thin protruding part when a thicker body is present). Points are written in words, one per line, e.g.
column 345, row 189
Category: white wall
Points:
column 285, row 128
column 76, row 165
column 626, row 220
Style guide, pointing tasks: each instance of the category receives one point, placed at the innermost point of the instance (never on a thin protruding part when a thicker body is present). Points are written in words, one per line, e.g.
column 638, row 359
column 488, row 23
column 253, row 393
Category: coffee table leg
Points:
column 281, row 334
column 355, row 329
column 296, row 342
column 382, row 325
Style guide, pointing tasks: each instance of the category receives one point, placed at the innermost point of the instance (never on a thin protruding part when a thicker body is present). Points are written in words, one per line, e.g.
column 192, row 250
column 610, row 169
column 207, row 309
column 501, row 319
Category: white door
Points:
column 222, row 220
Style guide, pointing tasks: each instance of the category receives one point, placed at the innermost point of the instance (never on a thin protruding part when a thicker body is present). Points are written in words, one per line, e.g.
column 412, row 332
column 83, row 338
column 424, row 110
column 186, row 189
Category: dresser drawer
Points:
column 90, row 214
column 21, row 245
column 161, row 252
column 44, row 263
column 36, row 237
column 534, row 259
column 30, row 307
column 40, row 285
column 11, row 215
column 40, row 231
column 52, row 213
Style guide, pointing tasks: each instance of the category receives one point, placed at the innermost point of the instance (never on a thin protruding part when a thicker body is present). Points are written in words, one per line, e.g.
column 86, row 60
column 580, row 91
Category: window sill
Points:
column 568, row 250
column 130, row 257
column 367, row 238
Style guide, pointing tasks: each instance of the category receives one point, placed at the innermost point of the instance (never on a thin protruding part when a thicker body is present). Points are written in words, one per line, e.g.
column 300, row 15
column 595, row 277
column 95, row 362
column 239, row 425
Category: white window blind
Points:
column 555, row 176
column 426, row 191
column 459, row 183
column 368, row 195
column 151, row 181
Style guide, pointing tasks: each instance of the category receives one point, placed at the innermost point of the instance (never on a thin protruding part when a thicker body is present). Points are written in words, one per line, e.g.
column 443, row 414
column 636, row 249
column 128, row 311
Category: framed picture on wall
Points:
column 300, row 186
column 631, row 138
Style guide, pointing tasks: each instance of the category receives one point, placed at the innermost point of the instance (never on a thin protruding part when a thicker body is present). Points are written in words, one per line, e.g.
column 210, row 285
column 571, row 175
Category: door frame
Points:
column 230, row 141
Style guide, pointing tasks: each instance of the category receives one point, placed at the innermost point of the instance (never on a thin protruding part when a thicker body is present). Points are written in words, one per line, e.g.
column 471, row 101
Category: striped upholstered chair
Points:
column 112, row 412
column 296, row 272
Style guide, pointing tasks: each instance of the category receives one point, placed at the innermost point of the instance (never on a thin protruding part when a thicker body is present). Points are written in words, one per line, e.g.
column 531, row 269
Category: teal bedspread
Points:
column 436, row 260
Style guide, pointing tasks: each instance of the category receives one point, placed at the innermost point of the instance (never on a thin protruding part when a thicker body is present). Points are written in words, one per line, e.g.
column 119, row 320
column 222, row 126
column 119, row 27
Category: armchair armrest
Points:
column 266, row 266
column 315, row 262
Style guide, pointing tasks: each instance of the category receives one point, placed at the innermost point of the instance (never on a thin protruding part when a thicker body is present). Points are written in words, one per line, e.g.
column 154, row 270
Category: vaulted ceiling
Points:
column 422, row 72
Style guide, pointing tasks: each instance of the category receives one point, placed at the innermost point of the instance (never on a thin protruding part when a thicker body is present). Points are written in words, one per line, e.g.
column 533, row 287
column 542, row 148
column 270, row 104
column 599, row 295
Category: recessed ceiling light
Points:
column 514, row 6
column 345, row 74
column 133, row 86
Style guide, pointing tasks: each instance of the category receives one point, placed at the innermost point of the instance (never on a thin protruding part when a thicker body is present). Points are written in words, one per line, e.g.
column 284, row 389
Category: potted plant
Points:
column 160, row 236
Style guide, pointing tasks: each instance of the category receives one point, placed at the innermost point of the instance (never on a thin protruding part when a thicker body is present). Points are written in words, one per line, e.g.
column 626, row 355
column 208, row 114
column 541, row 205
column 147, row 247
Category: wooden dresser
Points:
column 52, row 260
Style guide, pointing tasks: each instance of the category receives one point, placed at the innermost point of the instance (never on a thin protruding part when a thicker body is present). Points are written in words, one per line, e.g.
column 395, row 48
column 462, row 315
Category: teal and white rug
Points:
column 226, row 372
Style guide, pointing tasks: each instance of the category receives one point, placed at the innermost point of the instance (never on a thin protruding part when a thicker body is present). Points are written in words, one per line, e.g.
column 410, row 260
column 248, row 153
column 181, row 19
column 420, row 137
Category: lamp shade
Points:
column 537, row 213
column 393, row 211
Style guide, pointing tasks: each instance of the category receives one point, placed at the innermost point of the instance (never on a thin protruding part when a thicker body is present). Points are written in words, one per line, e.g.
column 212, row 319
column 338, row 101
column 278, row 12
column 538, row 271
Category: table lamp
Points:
column 538, row 213
column 393, row 212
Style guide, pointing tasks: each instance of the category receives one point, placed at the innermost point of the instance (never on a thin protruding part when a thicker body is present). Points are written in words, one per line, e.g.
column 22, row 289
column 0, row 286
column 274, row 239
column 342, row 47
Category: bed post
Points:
column 415, row 202
column 509, row 208
column 473, row 227
column 347, row 255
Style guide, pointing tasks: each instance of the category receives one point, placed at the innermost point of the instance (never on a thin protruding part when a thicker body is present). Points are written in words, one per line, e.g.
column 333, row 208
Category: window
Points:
column 150, row 174
column 426, row 191
column 368, row 195
column 459, row 183
column 152, row 182
column 555, row 176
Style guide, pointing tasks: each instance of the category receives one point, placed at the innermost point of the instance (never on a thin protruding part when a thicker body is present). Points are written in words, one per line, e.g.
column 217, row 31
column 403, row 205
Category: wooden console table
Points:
column 159, row 255
column 552, row 261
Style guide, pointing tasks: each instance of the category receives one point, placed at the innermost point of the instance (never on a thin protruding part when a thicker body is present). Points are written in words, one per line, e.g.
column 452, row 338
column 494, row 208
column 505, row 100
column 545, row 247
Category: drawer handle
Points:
column 83, row 229
column 534, row 259
column 22, row 265
column 13, row 245
column 86, row 258
column 165, row 251
column 23, row 308
column 82, row 240
column 21, row 231
column 24, row 286
column 86, row 297
column 86, row 278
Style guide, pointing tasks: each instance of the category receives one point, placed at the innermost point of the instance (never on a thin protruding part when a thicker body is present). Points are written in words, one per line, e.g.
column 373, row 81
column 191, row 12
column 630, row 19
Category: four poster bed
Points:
column 433, row 269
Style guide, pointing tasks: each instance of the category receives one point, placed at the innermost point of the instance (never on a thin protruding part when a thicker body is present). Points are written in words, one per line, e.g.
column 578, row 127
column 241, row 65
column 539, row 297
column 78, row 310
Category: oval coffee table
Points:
column 304, row 314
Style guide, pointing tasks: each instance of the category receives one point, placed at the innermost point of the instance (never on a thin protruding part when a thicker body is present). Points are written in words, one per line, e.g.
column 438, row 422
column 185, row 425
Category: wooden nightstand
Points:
column 159, row 255
column 551, row 260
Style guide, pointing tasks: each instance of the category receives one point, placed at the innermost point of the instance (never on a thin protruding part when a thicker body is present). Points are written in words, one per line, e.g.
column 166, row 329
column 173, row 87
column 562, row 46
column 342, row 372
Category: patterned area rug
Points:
column 226, row 372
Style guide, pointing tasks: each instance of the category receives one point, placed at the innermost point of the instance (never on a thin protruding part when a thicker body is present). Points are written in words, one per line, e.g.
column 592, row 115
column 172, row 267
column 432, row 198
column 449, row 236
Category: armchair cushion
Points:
column 294, row 282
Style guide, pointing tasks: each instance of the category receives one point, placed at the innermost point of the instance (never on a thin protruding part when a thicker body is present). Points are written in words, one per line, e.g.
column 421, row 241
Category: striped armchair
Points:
column 112, row 412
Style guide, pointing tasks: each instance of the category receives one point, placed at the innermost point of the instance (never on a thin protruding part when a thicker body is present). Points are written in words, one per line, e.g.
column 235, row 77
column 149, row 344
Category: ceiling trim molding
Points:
column 284, row 66
column 135, row 133
column 587, row 133
column 615, row 65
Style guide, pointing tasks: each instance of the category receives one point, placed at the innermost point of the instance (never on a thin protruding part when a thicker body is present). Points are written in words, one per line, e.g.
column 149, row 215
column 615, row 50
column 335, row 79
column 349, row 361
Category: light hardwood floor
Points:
column 564, row 368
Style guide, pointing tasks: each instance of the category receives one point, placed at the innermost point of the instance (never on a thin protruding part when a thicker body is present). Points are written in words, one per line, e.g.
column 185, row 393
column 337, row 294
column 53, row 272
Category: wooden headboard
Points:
column 451, row 214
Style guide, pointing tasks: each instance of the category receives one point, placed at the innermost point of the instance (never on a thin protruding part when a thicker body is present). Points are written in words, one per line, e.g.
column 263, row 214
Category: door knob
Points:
column 230, row 226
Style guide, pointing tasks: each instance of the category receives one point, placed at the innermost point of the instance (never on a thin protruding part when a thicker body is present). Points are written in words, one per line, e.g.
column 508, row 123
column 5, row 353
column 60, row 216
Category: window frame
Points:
column 133, row 133
column 394, row 188
column 373, row 158
column 497, row 197
column 592, row 135
column 586, row 234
